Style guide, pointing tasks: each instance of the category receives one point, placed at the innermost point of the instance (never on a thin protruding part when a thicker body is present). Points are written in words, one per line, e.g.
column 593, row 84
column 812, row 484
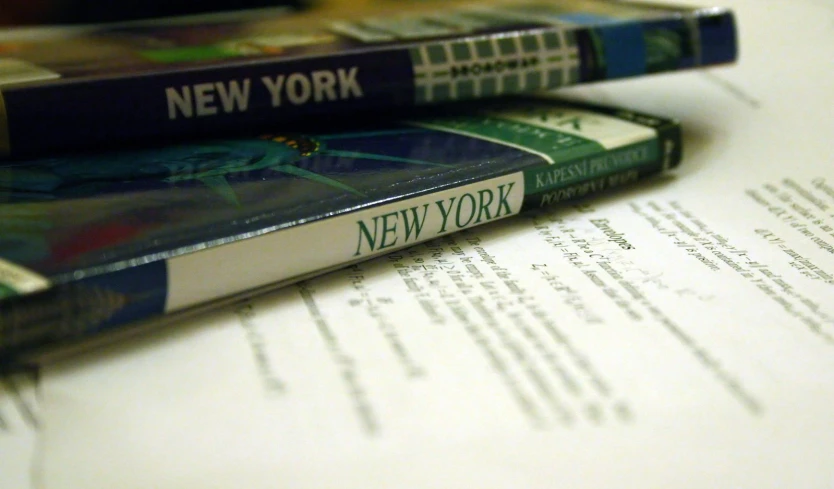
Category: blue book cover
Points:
column 90, row 88
column 92, row 242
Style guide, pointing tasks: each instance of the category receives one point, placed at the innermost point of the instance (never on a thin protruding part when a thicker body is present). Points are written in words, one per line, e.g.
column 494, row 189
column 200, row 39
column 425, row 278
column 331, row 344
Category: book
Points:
column 89, row 243
column 134, row 83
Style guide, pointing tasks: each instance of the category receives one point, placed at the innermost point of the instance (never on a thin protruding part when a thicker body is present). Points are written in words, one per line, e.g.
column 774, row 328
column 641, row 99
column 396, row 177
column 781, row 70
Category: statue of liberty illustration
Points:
column 27, row 188
column 209, row 163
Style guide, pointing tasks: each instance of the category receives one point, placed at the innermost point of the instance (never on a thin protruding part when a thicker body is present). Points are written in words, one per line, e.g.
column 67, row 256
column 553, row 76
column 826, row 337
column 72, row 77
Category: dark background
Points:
column 27, row 12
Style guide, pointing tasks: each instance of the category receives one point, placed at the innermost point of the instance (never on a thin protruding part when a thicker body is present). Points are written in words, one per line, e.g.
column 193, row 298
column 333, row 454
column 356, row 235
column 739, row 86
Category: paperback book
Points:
column 90, row 243
column 162, row 80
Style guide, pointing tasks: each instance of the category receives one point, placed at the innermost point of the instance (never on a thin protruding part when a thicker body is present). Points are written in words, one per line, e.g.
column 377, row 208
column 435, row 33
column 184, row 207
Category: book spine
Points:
column 212, row 100
column 201, row 101
column 107, row 301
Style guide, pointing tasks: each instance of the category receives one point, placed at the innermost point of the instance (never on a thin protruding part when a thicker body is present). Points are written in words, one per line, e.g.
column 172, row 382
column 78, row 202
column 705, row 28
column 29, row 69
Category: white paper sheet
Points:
column 18, row 430
column 679, row 334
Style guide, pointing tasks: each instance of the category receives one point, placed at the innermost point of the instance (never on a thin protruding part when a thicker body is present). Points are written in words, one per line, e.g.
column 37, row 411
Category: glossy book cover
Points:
column 99, row 240
column 85, row 89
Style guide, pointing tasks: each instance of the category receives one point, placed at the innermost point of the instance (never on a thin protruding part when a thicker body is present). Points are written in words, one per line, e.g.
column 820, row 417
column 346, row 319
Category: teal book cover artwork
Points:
column 94, row 241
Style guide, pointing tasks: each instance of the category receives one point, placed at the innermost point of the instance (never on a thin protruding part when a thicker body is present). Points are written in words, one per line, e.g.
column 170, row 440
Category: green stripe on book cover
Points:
column 551, row 145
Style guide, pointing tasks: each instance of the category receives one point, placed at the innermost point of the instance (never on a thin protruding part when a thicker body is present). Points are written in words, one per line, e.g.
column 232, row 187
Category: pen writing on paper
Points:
column 733, row 89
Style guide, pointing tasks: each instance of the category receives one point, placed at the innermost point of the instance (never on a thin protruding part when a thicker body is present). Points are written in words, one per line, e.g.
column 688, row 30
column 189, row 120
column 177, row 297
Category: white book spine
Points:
column 280, row 255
